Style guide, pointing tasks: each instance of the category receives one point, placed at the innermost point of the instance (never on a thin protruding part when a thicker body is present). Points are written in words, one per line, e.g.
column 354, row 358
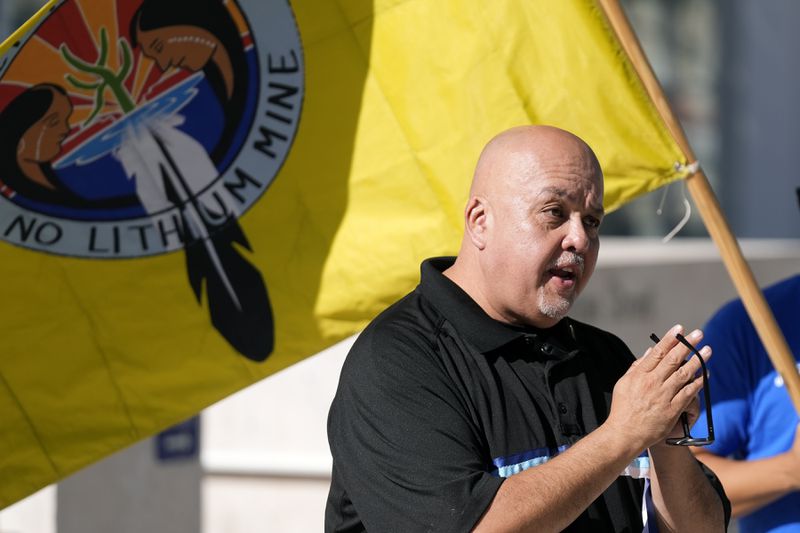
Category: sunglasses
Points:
column 687, row 439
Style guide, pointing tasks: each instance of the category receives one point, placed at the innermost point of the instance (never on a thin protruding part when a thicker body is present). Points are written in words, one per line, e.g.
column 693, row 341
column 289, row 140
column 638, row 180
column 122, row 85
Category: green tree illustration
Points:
column 106, row 78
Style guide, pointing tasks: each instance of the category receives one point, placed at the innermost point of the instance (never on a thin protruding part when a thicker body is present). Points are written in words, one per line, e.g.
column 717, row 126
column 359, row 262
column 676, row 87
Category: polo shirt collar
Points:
column 469, row 319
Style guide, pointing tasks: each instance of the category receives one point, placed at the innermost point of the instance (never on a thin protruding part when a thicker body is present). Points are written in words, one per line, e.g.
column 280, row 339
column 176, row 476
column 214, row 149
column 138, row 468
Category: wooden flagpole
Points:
column 703, row 196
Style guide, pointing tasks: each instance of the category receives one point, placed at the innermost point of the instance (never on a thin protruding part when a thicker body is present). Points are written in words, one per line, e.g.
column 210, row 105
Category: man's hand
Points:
column 646, row 407
column 649, row 399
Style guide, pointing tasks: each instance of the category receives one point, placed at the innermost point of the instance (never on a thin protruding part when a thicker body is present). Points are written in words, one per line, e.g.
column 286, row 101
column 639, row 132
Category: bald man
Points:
column 476, row 403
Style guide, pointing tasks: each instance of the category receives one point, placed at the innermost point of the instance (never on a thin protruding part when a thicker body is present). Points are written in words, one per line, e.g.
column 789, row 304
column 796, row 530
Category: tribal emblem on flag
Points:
column 140, row 127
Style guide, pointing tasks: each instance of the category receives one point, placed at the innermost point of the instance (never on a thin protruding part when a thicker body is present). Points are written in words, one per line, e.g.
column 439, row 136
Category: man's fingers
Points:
column 654, row 355
column 685, row 396
column 689, row 371
column 677, row 355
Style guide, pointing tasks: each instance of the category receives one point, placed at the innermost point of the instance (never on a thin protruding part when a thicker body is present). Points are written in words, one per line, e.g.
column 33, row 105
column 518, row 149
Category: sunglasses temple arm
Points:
column 706, row 386
column 706, row 397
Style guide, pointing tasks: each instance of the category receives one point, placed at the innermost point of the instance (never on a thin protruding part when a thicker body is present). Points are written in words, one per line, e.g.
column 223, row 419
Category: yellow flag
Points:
column 198, row 193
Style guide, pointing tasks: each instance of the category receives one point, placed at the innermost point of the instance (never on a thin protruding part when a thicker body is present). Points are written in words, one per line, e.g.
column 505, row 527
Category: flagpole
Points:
column 703, row 196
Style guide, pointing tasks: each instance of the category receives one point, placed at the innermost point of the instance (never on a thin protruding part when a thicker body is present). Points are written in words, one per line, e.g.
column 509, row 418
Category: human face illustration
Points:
column 42, row 141
column 186, row 47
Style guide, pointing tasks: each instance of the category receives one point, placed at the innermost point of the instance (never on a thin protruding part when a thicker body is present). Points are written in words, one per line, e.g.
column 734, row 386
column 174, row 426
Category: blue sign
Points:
column 179, row 442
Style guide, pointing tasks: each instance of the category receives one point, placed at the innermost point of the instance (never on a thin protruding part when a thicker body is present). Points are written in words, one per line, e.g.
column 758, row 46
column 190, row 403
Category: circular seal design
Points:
column 131, row 128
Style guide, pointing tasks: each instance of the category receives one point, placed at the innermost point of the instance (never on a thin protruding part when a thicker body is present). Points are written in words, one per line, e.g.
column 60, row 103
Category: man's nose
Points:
column 576, row 239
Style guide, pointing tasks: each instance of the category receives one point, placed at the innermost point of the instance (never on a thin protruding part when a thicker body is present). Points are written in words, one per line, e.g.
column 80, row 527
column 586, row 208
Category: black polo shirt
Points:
column 438, row 403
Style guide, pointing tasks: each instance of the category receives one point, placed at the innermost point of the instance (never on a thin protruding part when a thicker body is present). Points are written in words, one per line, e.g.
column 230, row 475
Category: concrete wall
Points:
column 132, row 491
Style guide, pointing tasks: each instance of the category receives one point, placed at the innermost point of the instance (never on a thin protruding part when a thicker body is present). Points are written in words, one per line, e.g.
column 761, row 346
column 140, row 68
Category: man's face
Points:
column 542, row 239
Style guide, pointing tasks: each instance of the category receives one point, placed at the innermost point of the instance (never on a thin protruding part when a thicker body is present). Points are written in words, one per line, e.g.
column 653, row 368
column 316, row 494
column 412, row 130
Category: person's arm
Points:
column 646, row 404
column 751, row 485
column 551, row 496
column 683, row 498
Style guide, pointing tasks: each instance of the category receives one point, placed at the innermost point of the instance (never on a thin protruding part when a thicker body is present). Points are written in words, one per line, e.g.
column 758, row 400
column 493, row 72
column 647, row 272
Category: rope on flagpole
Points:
column 685, row 171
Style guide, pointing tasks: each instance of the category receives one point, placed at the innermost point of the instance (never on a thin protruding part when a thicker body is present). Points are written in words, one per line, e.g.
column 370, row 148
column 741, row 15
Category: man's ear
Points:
column 476, row 218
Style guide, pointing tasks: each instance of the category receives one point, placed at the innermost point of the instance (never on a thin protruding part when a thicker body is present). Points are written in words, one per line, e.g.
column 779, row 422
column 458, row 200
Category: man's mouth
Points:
column 566, row 270
column 566, row 274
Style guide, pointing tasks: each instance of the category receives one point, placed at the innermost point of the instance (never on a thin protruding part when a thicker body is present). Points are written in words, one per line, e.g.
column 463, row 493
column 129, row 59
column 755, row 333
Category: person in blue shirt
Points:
column 757, row 449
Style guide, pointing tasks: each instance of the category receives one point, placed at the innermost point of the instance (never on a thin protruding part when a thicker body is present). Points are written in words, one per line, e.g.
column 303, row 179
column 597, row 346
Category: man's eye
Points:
column 591, row 222
column 555, row 212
